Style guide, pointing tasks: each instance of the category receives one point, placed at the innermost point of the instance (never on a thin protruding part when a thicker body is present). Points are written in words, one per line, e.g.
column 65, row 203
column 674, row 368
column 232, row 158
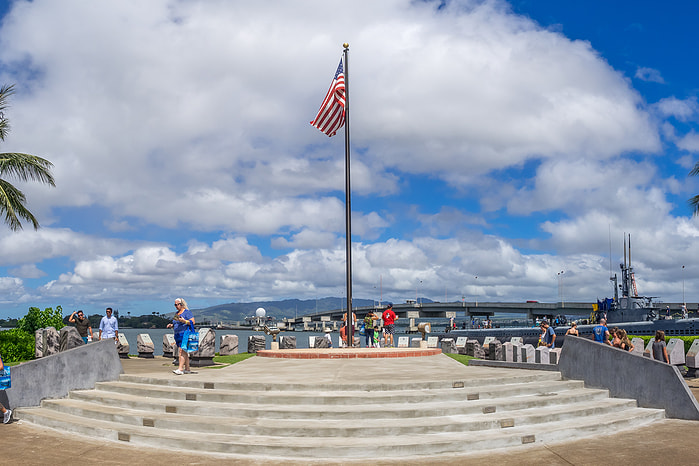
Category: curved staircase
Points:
column 311, row 421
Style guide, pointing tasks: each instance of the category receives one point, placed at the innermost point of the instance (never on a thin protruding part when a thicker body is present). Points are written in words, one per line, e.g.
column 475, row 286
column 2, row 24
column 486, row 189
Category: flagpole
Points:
column 348, row 203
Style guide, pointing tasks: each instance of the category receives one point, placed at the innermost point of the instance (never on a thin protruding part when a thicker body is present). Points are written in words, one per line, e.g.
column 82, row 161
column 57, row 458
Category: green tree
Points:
column 21, row 166
column 16, row 345
column 36, row 319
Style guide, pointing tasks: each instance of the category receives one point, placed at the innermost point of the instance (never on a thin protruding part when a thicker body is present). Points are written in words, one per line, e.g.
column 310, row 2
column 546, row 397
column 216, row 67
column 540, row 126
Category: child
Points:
column 377, row 337
column 6, row 413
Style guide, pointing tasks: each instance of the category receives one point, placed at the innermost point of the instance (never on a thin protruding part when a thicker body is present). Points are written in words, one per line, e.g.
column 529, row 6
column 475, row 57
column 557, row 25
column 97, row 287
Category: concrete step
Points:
column 395, row 409
column 364, row 427
column 397, row 421
column 407, row 447
column 320, row 395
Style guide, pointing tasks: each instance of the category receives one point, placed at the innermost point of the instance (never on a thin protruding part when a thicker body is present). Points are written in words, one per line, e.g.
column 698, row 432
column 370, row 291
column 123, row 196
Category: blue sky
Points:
column 507, row 141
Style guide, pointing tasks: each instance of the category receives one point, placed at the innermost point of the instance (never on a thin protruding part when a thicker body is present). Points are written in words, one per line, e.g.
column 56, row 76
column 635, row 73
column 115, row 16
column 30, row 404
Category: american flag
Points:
column 331, row 115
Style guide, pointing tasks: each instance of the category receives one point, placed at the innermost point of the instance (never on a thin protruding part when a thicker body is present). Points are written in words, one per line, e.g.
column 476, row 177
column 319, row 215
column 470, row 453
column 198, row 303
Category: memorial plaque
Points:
column 516, row 352
column 637, row 346
column 542, row 355
column 123, row 346
column 432, row 342
column 675, row 351
column 461, row 342
column 415, row 342
column 311, row 342
column 145, row 346
column 403, row 342
column 555, row 356
column 488, row 340
column 516, row 341
column 508, row 351
column 693, row 355
column 528, row 353
column 169, row 349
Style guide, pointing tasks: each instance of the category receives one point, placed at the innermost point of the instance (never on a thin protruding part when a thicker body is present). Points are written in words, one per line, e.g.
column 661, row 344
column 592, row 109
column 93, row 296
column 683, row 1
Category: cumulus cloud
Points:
column 649, row 74
column 186, row 166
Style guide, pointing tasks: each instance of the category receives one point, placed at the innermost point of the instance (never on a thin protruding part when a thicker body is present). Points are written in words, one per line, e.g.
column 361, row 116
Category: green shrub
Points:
column 16, row 345
column 36, row 319
column 687, row 340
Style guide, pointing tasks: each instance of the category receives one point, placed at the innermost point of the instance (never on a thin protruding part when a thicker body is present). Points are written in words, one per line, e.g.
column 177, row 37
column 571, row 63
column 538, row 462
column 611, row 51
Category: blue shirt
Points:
column 599, row 333
column 548, row 337
column 109, row 326
column 179, row 327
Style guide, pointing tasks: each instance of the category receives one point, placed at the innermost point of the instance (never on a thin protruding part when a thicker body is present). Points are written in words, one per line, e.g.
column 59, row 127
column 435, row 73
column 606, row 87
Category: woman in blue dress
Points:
column 181, row 322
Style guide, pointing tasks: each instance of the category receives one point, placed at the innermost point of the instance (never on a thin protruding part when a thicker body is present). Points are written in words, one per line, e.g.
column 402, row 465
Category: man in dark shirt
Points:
column 82, row 323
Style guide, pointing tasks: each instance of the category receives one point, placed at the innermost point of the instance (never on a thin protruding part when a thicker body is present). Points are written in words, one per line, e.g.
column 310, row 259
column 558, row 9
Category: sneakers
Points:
column 7, row 416
column 177, row 372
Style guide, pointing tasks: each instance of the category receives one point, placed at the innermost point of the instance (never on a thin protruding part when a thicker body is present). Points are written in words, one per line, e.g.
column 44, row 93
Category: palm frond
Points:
column 12, row 202
column 26, row 167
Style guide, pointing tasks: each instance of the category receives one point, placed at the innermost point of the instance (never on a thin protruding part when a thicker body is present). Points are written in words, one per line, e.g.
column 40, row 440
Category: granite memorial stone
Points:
column 51, row 341
column 321, row 342
column 39, row 343
column 675, row 351
column 495, row 350
column 204, row 356
column 637, row 346
column 256, row 343
column 528, row 353
column 287, row 342
column 541, row 355
column 555, row 355
column 169, row 350
column 122, row 345
column 448, row 346
column 69, row 338
column 229, row 345
column 144, row 346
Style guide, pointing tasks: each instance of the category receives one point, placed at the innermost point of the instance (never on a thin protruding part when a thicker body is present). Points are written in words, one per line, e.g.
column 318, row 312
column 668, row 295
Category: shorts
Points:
column 84, row 340
column 389, row 329
column 178, row 339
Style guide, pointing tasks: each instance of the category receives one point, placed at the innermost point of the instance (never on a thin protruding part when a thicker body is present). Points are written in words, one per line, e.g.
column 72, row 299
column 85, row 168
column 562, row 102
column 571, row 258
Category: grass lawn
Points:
column 462, row 358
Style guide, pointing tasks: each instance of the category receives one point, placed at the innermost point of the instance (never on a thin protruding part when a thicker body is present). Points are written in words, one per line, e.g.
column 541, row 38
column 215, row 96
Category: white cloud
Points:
column 683, row 110
column 649, row 74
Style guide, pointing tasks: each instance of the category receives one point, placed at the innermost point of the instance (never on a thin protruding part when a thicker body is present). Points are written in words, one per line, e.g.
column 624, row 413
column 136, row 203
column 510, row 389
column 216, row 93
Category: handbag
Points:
column 190, row 339
column 5, row 380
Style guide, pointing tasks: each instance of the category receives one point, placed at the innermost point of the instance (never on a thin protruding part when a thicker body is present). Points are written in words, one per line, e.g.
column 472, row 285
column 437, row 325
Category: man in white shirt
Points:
column 109, row 326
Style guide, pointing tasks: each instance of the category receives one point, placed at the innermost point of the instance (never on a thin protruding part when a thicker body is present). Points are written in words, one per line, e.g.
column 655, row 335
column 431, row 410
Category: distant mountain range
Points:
column 236, row 312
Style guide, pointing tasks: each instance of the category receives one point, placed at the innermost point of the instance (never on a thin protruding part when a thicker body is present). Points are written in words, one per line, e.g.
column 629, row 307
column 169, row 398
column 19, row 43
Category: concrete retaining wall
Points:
column 54, row 376
column 653, row 383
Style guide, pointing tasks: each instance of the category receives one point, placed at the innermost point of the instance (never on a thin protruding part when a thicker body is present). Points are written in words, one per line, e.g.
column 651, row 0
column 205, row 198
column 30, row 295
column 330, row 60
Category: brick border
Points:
column 349, row 353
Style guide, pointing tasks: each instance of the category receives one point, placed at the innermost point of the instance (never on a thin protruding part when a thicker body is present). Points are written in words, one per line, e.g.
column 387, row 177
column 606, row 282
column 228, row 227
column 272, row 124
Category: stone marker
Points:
column 555, row 356
column 415, row 342
column 51, row 341
column 648, row 351
column 675, row 351
column 495, row 350
column 204, row 356
column 228, row 345
column 257, row 343
column 403, row 342
column 693, row 359
column 69, row 338
column 541, row 355
column 487, row 341
column 474, row 349
column 287, row 342
column 321, row 342
column 169, row 347
column 144, row 346
column 448, row 345
column 528, row 353
column 432, row 342
column 461, row 342
column 516, row 352
column 508, row 351
column 517, row 341
column 637, row 346
column 39, row 343
column 122, row 345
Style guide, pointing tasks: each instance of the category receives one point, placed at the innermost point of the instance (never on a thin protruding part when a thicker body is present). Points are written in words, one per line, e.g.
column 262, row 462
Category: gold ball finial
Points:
column 345, row 45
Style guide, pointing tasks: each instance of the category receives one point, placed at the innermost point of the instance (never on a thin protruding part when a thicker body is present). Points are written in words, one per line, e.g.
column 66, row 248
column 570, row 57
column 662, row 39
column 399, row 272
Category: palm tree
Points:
column 21, row 166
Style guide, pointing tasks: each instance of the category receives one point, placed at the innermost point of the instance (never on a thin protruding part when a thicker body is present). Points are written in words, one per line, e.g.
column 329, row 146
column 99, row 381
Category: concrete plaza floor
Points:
column 668, row 441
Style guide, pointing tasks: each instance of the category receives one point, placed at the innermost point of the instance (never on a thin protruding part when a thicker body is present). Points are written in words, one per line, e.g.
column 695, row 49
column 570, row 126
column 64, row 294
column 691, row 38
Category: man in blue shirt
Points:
column 549, row 337
column 109, row 326
column 601, row 332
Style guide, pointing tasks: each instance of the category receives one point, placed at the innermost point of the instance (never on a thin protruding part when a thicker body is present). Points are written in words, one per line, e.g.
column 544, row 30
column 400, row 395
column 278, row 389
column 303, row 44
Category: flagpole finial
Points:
column 345, row 45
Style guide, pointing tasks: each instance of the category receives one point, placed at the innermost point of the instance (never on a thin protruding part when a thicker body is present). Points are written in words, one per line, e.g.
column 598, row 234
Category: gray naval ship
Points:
column 638, row 315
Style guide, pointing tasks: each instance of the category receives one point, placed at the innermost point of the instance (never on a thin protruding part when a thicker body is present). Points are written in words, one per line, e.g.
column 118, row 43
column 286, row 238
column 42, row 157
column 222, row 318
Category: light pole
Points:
column 560, row 287
column 421, row 292
column 475, row 296
column 683, row 301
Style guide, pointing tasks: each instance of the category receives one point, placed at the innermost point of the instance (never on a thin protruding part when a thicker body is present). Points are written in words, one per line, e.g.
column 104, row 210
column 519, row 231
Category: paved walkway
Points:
column 668, row 441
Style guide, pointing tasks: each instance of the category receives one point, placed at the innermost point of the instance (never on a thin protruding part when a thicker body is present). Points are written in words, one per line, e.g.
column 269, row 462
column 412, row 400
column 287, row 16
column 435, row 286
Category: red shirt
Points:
column 388, row 316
